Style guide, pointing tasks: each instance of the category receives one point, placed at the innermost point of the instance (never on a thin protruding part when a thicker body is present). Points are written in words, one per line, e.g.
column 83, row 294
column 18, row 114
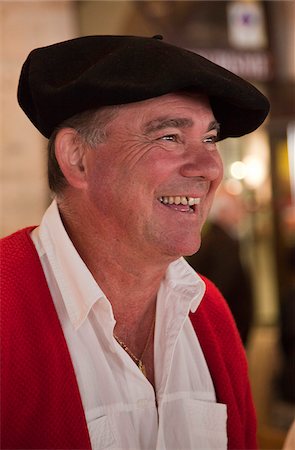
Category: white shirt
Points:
column 122, row 409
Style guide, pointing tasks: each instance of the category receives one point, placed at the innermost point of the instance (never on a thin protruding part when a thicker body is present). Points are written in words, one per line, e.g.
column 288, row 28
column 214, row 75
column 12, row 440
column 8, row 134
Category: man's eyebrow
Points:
column 214, row 125
column 161, row 123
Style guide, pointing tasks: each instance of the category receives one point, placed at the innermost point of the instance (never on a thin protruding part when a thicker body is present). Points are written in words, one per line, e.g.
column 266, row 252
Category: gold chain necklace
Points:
column 138, row 361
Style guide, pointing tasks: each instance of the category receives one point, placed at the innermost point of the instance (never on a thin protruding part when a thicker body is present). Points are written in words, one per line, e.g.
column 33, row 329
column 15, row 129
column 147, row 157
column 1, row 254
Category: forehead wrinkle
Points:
column 165, row 122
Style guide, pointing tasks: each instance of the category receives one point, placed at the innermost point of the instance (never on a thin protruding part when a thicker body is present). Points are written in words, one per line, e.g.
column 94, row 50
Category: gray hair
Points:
column 91, row 127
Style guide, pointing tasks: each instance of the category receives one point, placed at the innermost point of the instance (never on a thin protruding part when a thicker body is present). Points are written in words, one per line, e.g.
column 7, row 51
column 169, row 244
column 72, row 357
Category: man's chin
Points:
column 179, row 246
column 190, row 249
column 191, row 253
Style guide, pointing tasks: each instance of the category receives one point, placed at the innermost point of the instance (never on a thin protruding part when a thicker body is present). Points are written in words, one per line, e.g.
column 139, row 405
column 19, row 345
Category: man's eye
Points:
column 210, row 139
column 169, row 137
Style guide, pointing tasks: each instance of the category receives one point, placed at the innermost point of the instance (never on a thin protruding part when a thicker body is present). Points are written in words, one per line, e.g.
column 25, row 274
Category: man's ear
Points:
column 70, row 154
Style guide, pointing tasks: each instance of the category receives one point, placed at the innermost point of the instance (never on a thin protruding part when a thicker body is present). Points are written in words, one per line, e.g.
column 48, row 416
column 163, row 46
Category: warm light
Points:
column 238, row 170
column 233, row 186
column 255, row 171
column 252, row 170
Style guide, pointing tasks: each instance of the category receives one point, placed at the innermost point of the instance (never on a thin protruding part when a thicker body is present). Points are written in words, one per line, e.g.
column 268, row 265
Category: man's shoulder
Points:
column 18, row 258
column 218, row 333
column 213, row 300
column 16, row 242
column 214, row 314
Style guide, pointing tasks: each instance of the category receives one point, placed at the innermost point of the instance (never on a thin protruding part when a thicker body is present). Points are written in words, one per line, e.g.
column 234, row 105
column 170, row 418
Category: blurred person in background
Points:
column 219, row 258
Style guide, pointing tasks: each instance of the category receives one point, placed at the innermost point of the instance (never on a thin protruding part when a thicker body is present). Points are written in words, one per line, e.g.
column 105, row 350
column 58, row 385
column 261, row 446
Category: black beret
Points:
column 63, row 79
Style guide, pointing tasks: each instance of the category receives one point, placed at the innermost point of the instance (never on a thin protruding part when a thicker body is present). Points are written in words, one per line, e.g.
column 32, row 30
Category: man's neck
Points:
column 129, row 279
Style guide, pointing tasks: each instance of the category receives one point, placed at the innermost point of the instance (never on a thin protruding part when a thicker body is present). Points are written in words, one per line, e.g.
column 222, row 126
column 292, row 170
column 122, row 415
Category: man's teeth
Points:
column 180, row 200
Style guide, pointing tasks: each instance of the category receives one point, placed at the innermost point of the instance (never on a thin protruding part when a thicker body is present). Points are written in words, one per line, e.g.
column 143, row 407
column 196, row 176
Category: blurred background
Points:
column 254, row 213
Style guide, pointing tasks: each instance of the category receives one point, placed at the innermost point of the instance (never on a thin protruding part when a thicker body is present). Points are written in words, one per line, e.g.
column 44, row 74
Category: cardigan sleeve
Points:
column 226, row 359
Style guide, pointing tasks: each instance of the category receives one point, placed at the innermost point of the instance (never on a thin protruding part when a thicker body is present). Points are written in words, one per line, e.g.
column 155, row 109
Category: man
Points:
column 110, row 339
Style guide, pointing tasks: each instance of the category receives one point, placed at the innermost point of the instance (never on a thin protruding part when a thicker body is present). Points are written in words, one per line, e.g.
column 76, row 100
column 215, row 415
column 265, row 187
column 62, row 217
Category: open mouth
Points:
column 180, row 203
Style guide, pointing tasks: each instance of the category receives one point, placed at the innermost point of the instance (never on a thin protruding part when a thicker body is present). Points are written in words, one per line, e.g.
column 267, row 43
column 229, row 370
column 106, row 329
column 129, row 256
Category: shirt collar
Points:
column 182, row 279
column 79, row 289
column 76, row 283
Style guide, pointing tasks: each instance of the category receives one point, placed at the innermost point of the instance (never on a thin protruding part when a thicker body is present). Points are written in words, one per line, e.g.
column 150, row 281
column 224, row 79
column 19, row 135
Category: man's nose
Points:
column 202, row 162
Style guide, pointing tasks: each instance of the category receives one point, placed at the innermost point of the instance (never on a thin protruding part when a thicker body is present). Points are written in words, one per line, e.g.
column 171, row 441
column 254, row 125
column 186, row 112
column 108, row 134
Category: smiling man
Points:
column 110, row 339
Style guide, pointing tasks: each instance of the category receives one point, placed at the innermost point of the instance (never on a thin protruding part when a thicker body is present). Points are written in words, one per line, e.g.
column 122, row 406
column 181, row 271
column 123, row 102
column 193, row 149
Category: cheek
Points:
column 161, row 167
column 101, row 185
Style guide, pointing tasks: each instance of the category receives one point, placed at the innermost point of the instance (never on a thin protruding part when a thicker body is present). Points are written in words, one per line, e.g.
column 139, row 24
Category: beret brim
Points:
column 63, row 79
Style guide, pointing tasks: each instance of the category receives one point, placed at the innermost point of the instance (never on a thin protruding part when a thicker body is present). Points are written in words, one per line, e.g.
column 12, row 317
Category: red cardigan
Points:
column 41, row 404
